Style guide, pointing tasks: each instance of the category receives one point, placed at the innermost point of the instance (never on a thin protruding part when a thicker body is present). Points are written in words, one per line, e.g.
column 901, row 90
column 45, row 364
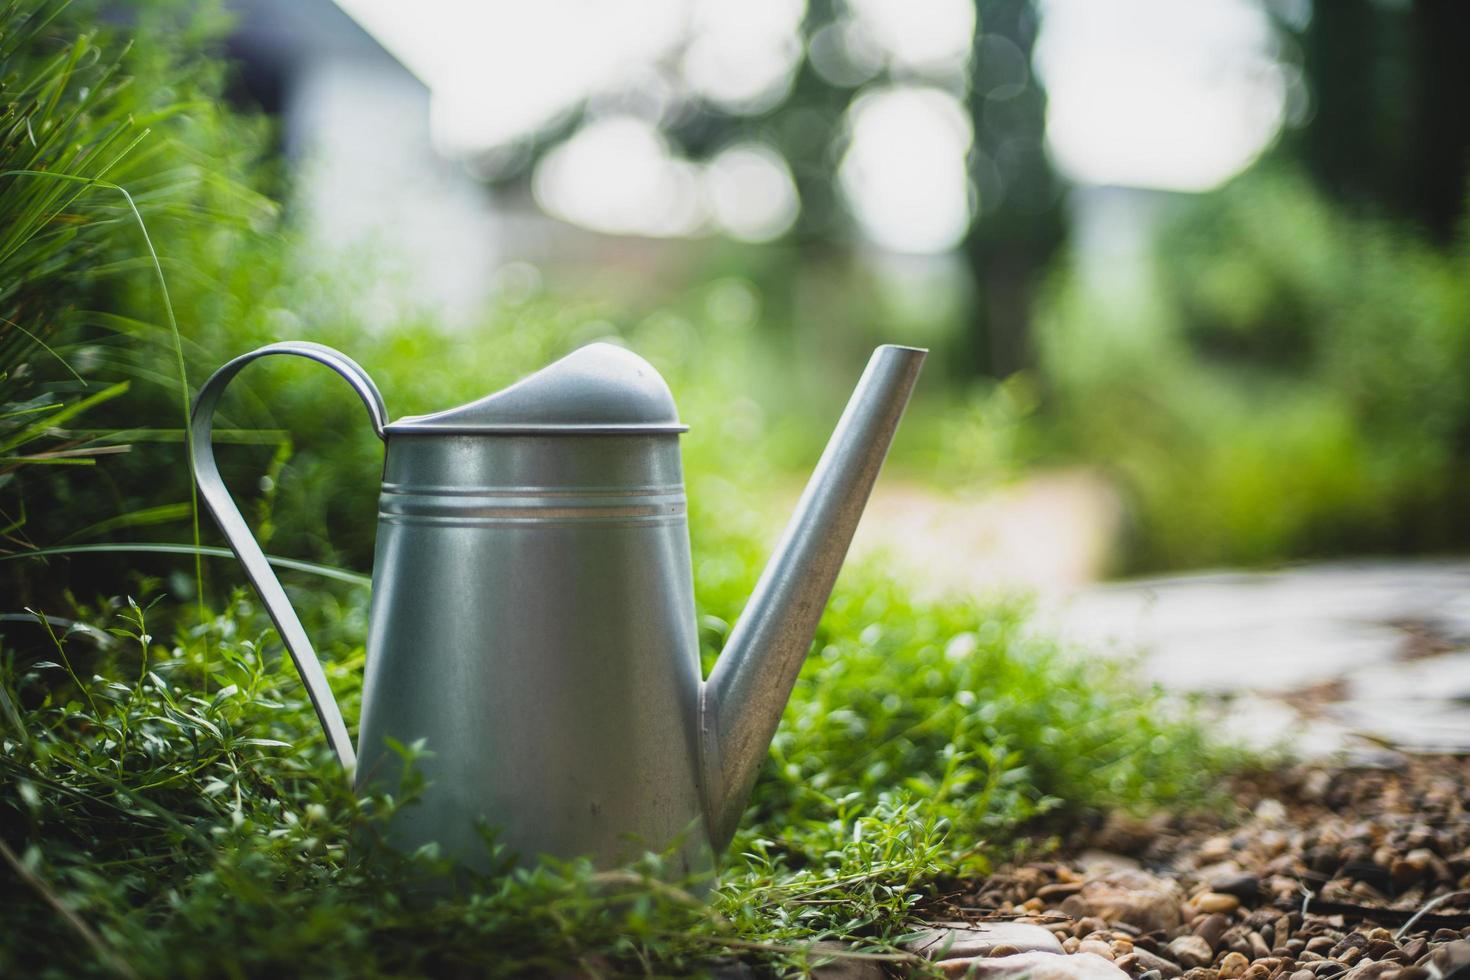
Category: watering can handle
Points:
column 242, row 542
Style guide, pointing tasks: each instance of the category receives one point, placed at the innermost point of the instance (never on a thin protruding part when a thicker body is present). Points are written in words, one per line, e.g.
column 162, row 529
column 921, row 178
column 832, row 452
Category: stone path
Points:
column 1322, row 657
column 1325, row 657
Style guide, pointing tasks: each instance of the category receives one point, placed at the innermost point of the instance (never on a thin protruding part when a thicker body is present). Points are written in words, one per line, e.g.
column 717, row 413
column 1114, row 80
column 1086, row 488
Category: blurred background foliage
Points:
column 1262, row 369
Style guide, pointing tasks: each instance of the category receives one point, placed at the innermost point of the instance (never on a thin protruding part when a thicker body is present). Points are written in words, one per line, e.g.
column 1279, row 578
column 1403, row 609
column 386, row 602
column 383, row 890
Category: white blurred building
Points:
column 367, row 184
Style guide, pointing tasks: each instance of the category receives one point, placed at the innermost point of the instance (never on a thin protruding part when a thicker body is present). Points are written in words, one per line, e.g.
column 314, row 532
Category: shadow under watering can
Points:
column 533, row 617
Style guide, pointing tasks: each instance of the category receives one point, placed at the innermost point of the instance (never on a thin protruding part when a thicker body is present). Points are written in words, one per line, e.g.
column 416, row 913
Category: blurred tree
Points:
column 1389, row 131
column 1020, row 220
column 1019, row 209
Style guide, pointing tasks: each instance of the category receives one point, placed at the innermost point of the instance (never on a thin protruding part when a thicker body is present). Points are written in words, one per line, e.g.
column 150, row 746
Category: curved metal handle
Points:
column 242, row 542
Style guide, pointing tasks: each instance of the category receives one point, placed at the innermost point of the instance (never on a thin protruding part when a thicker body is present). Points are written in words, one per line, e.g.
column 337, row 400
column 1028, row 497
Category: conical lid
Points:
column 599, row 388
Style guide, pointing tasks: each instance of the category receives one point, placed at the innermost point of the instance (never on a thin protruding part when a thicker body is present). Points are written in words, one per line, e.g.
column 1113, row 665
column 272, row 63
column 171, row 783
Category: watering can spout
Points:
column 742, row 702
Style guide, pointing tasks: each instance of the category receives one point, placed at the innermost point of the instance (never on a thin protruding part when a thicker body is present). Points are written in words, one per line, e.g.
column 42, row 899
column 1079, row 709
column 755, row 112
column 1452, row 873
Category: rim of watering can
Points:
column 413, row 426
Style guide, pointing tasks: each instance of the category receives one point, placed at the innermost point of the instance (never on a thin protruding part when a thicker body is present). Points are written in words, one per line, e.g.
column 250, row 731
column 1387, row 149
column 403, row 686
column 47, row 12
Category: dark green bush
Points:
column 1286, row 381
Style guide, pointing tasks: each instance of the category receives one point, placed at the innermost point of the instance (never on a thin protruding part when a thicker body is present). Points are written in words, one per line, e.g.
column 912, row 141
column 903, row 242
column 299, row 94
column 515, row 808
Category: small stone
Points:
column 1271, row 812
column 1379, row 948
column 1096, row 947
column 1212, row 929
column 1256, row 971
column 1259, row 948
column 1320, row 944
column 1246, row 887
column 1213, row 850
column 1374, row 971
column 1099, row 862
column 1304, row 975
column 1403, row 872
column 1191, row 951
column 1233, row 966
column 1213, row 902
column 1152, row 962
column 1315, row 786
column 1033, row 966
column 1414, row 973
column 1452, row 960
column 1135, row 897
column 965, row 940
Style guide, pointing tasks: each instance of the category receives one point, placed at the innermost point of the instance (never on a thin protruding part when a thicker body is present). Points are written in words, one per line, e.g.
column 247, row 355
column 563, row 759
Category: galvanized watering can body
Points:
column 533, row 617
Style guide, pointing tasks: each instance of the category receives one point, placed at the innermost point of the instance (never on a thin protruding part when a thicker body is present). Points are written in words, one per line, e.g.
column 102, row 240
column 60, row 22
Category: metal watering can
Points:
column 533, row 610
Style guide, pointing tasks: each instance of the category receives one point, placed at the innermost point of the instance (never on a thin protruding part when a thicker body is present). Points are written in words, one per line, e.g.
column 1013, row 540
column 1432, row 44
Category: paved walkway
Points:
column 1324, row 657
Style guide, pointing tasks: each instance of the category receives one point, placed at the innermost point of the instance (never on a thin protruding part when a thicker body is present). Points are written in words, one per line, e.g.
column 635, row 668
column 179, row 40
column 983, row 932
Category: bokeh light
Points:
column 904, row 174
column 1154, row 93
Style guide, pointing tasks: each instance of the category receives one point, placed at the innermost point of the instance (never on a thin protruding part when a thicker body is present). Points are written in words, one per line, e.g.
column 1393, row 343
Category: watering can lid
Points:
column 599, row 388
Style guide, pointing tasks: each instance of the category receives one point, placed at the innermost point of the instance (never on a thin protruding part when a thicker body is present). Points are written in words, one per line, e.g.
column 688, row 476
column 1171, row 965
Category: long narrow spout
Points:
column 741, row 703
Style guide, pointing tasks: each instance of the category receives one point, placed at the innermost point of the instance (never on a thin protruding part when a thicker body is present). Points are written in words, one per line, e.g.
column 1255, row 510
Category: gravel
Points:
column 1315, row 875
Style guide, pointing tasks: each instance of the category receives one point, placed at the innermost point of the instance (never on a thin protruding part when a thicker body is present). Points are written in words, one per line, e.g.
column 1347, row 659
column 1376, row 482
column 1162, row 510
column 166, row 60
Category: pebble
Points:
column 960, row 940
column 1032, row 966
column 1136, row 897
column 1232, row 966
column 1452, row 961
column 1213, row 902
column 1211, row 929
column 1153, row 962
column 1246, row 887
column 1191, row 951
column 1377, row 949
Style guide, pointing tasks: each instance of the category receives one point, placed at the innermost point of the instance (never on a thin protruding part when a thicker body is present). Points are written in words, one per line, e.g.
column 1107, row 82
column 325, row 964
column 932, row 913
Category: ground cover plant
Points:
column 167, row 805
column 171, row 808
